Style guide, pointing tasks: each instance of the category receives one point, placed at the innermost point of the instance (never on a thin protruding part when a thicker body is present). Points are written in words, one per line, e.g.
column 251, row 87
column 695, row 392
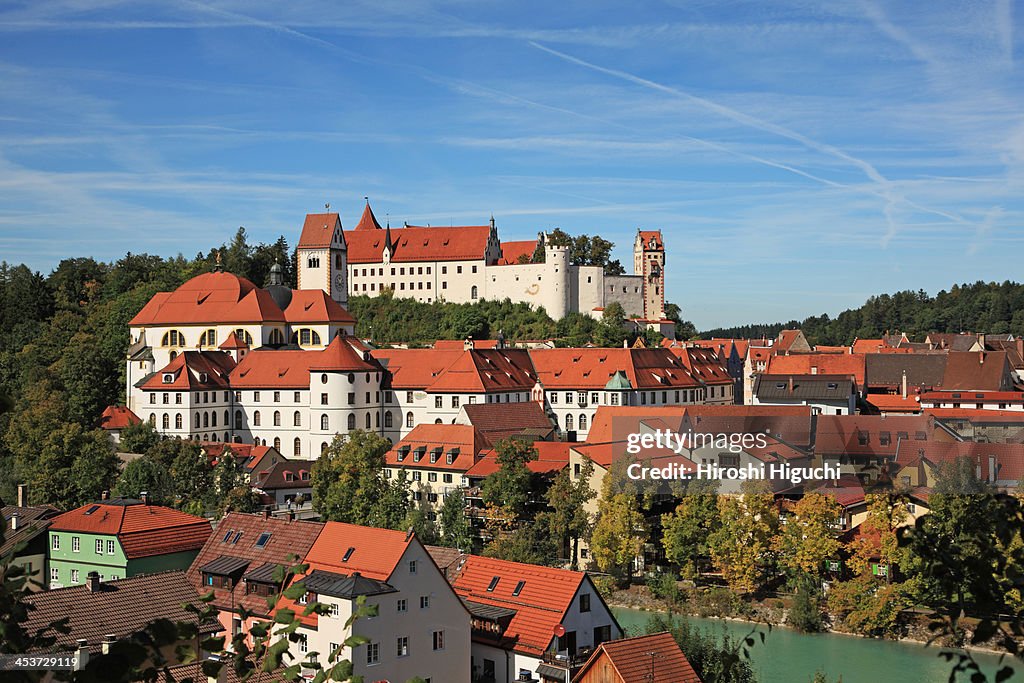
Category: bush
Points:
column 717, row 602
column 805, row 615
column 664, row 587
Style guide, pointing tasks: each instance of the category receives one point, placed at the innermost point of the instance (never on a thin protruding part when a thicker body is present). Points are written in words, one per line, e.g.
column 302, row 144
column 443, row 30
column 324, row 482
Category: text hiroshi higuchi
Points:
column 773, row 471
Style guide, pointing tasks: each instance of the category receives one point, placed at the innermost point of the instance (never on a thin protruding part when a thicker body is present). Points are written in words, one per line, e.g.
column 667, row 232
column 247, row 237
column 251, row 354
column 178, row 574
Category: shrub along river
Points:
column 788, row 656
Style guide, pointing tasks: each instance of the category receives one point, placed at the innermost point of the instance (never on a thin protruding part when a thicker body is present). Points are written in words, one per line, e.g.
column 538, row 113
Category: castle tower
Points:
column 556, row 262
column 649, row 262
column 322, row 257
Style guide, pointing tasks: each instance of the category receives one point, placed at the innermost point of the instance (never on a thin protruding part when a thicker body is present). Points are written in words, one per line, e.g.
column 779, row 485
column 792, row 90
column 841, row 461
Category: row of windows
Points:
column 207, row 338
column 75, row 576
column 401, row 649
column 76, row 545
column 400, row 270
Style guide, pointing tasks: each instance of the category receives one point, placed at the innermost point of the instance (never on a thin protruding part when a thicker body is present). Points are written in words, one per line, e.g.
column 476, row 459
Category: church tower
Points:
column 649, row 263
column 322, row 256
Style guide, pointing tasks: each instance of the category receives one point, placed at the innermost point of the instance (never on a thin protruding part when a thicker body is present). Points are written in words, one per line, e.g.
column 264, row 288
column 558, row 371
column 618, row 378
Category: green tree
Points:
column 528, row 542
column 145, row 474
column 509, row 488
column 686, row 530
column 715, row 660
column 193, row 478
column 612, row 330
column 567, row 517
column 347, row 479
column 456, row 531
column 742, row 545
column 240, row 499
column 619, row 532
column 138, row 438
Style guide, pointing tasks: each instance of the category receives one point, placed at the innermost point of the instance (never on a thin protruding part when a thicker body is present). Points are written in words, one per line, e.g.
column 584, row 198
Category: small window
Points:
column 493, row 584
column 519, row 588
column 234, row 540
column 424, row 601
column 227, row 536
column 412, row 567
column 585, row 602
column 262, row 541
column 403, row 606
column 348, row 555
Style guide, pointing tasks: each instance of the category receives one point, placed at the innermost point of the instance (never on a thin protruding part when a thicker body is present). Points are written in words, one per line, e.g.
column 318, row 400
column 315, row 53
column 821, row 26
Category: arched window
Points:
column 583, row 421
column 388, row 420
column 297, row 448
column 213, row 418
column 276, row 337
column 243, row 336
column 351, row 421
column 277, row 444
column 226, row 437
column 376, row 419
column 238, row 419
column 227, row 418
column 367, row 420
column 323, row 448
column 409, row 420
column 165, row 421
column 313, row 262
column 297, row 419
column 177, row 420
column 208, row 338
column 277, row 418
column 305, row 337
column 206, row 419
column 473, row 292
column 437, row 421
column 174, row 354
column 568, row 422
column 324, row 422
column 197, row 421
column 173, row 338
column 256, row 419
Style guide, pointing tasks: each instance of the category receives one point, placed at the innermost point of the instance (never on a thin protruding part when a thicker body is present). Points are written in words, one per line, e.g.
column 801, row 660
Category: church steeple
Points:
column 368, row 221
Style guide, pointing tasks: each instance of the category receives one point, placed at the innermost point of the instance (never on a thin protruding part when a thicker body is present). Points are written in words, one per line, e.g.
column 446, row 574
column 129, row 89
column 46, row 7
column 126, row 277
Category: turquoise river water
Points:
column 791, row 657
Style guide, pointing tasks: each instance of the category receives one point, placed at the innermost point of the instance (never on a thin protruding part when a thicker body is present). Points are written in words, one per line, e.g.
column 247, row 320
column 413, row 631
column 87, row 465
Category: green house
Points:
column 121, row 537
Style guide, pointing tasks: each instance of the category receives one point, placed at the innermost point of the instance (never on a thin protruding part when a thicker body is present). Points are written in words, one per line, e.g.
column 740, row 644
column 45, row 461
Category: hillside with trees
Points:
column 991, row 307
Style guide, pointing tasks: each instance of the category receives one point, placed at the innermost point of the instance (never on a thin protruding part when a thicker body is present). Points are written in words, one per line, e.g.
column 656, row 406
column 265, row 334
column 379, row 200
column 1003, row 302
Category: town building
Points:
column 119, row 538
column 25, row 538
column 531, row 623
column 644, row 659
column 825, row 394
column 115, row 419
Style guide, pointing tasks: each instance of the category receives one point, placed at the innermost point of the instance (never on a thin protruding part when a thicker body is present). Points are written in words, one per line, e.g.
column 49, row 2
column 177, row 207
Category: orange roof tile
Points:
column 868, row 345
column 818, row 364
column 315, row 306
column 143, row 530
column 480, row 370
column 705, row 364
column 647, row 235
column 215, row 297
column 635, row 659
column 425, row 438
column 289, row 368
column 368, row 221
column 118, row 417
column 540, row 606
column 552, row 456
column 512, row 251
column 414, row 243
column 591, row 368
column 895, row 403
column 188, row 370
column 377, row 551
column 318, row 230
column 232, row 342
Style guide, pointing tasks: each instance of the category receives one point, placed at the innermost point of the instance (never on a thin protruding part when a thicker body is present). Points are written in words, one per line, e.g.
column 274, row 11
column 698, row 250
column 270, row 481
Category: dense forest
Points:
column 995, row 308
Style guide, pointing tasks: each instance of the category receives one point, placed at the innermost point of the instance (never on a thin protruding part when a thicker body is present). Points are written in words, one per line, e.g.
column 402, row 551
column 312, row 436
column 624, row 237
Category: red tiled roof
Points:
column 318, row 230
column 647, row 235
column 977, row 416
column 868, row 345
column 188, row 369
column 288, row 368
column 895, row 403
column 414, row 243
column 497, row 421
column 480, row 370
column 976, row 371
column 233, row 342
column 634, row 659
column 118, row 417
column 470, row 443
column 819, row 364
column 844, row 434
column 512, row 251
column 705, row 364
column 540, row 606
column 287, row 540
column 377, row 551
column 287, row 474
column 143, row 530
column 216, row 297
column 315, row 306
column 786, row 340
column 552, row 456
column 415, row 368
column 973, row 397
column 368, row 221
column 591, row 368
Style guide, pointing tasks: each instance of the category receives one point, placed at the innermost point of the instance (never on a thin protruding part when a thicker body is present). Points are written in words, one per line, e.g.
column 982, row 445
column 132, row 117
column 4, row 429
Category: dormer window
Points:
column 168, row 378
column 203, row 377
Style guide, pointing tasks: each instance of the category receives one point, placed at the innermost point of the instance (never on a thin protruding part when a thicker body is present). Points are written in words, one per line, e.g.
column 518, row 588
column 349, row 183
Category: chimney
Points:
column 791, row 384
column 144, row 497
column 981, row 357
column 22, row 495
column 108, row 640
column 904, row 384
column 92, row 582
column 266, row 512
column 14, row 521
column 83, row 654
column 105, row 495
column 467, row 344
column 291, row 515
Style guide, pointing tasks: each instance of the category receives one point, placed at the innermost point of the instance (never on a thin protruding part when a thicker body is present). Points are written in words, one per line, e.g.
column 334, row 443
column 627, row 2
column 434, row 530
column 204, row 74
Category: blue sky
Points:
column 798, row 156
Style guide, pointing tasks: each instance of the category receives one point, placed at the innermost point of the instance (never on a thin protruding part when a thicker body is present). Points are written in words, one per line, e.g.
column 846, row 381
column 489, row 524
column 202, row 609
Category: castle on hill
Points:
column 463, row 264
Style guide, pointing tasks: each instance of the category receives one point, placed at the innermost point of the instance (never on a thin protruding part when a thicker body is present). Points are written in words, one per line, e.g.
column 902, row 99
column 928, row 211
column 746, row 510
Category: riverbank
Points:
column 724, row 605
column 788, row 656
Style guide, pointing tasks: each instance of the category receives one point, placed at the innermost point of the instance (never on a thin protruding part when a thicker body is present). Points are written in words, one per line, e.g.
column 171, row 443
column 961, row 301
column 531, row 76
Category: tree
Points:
column 145, row 474
column 456, row 531
column 805, row 614
column 685, row 531
column 240, row 499
column 509, row 488
column 567, row 517
column 392, row 508
column 138, row 437
column 742, row 545
column 611, row 331
column 959, row 476
column 192, row 477
column 619, row 532
column 347, row 479
column 876, row 538
column 713, row 659
column 808, row 538
column 529, row 542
